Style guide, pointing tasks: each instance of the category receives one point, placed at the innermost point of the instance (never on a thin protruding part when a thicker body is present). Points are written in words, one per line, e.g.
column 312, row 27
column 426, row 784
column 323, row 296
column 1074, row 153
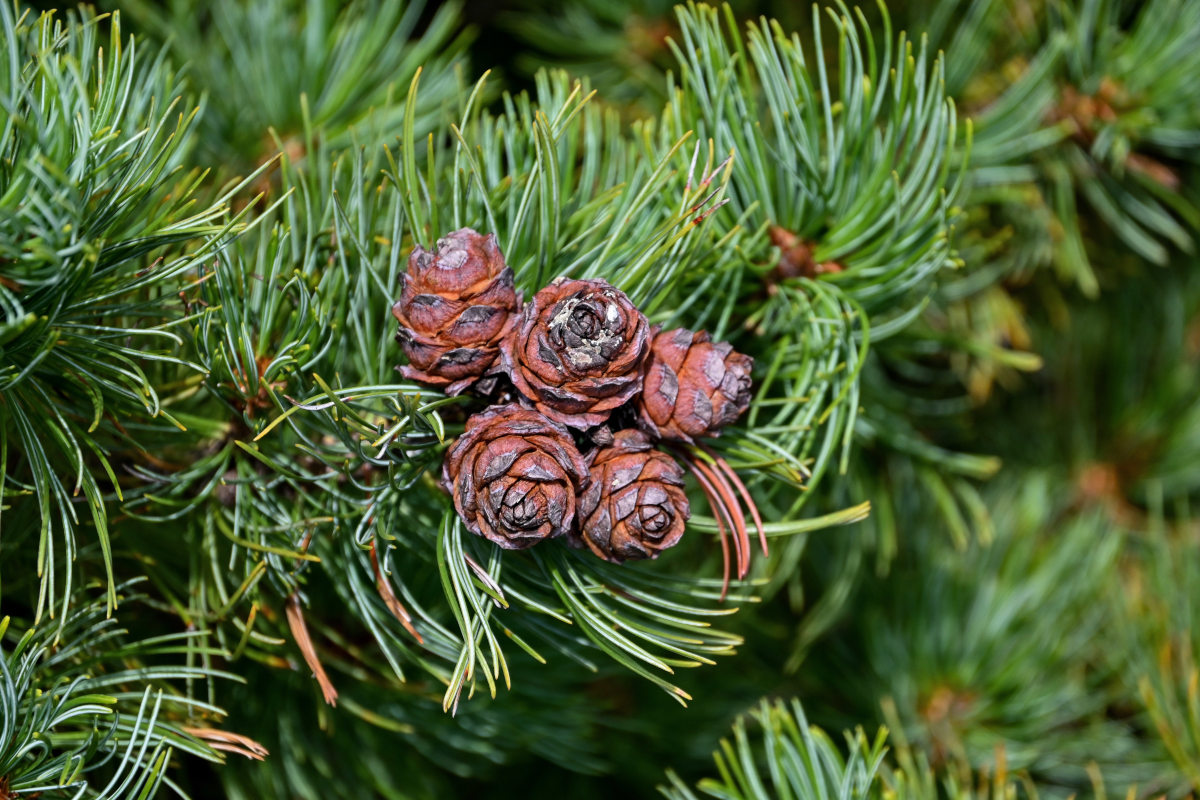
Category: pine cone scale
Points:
column 502, row 454
column 477, row 323
column 535, row 467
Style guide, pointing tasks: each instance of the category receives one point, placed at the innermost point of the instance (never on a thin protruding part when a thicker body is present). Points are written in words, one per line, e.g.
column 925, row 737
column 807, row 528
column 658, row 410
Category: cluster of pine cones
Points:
column 587, row 372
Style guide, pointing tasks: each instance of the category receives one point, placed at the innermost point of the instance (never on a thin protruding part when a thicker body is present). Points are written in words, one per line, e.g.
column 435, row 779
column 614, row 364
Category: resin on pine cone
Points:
column 514, row 476
column 693, row 387
column 456, row 304
column 634, row 506
column 577, row 352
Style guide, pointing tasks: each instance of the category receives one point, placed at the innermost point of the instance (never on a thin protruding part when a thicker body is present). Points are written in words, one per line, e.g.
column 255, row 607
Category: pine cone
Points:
column 693, row 387
column 577, row 351
column 634, row 506
column 514, row 475
column 455, row 306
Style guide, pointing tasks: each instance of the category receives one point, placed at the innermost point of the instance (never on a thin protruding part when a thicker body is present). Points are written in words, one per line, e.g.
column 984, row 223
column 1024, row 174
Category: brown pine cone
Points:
column 634, row 506
column 577, row 351
column 693, row 386
column 455, row 306
column 514, row 475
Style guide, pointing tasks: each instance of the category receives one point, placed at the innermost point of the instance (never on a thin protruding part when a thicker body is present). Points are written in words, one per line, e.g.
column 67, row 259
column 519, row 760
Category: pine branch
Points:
column 835, row 159
column 792, row 760
column 848, row 209
column 285, row 76
column 98, row 224
column 961, row 679
column 353, row 435
column 798, row 760
column 90, row 711
column 1097, row 125
column 1160, row 613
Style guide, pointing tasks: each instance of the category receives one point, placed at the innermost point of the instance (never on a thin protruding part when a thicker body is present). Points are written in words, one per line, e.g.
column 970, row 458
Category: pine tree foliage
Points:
column 833, row 157
column 953, row 252
column 96, row 206
column 960, row 694
column 561, row 204
column 1165, row 661
column 623, row 52
column 828, row 168
column 1104, row 431
column 339, row 457
column 77, row 719
column 336, row 71
column 1103, row 101
column 795, row 759
column 1136, row 74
